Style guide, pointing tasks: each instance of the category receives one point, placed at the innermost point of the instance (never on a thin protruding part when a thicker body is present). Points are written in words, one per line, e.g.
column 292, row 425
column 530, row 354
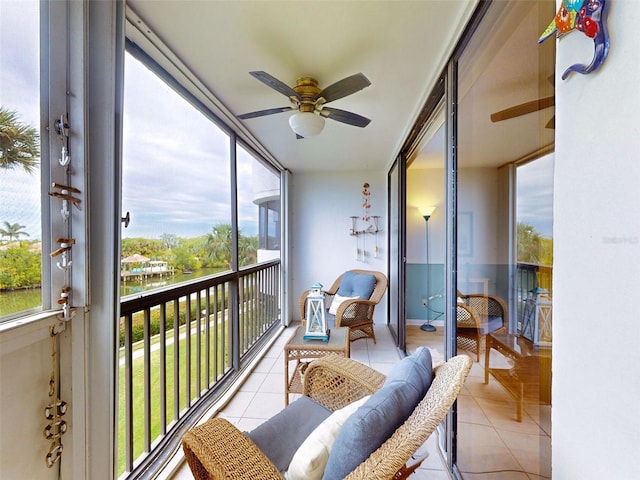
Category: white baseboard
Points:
column 435, row 323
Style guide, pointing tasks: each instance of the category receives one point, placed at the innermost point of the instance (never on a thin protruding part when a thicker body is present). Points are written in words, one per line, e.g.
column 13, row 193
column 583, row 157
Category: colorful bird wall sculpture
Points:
column 588, row 17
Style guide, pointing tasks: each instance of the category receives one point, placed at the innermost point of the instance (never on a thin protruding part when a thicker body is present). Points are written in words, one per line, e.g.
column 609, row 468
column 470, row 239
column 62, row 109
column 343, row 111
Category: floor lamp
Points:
column 426, row 214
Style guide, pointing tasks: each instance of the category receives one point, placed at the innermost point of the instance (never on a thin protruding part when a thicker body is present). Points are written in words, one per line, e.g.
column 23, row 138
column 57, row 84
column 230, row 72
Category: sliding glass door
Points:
column 396, row 248
column 504, row 191
column 475, row 273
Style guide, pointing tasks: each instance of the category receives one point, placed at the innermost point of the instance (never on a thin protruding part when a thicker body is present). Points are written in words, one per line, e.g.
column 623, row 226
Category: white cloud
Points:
column 176, row 163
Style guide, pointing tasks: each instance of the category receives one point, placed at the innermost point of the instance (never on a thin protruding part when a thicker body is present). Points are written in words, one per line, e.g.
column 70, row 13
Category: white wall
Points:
column 25, row 369
column 596, row 382
column 322, row 249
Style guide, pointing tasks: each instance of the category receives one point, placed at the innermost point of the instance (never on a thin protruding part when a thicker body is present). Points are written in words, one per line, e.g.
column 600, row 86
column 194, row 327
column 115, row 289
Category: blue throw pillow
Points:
column 281, row 435
column 388, row 408
column 359, row 285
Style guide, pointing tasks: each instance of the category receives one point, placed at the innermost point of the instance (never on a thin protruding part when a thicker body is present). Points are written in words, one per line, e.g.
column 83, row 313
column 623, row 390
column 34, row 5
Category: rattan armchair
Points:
column 218, row 450
column 477, row 315
column 357, row 314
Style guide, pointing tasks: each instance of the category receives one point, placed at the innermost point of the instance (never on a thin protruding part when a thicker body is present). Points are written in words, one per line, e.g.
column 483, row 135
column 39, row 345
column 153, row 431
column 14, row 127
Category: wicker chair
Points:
column 357, row 314
column 477, row 315
column 218, row 450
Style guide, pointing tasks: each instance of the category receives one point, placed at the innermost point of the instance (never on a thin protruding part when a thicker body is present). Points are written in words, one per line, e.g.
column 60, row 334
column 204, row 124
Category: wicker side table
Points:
column 530, row 378
column 302, row 351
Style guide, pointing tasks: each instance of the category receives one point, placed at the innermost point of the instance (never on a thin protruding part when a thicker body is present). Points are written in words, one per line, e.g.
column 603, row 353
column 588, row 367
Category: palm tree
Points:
column 19, row 143
column 13, row 230
column 529, row 241
column 218, row 244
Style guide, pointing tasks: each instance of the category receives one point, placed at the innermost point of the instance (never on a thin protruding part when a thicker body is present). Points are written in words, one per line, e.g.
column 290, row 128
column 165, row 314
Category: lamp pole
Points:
column 426, row 214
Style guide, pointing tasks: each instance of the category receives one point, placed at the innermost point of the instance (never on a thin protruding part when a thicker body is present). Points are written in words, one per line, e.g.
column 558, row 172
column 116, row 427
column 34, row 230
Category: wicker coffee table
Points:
column 302, row 351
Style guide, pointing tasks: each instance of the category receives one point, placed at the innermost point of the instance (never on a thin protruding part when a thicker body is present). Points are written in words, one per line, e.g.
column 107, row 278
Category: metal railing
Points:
column 180, row 346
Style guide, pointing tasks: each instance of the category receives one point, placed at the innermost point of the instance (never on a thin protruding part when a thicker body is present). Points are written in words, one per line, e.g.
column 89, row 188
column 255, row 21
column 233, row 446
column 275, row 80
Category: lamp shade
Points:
column 426, row 211
column 306, row 124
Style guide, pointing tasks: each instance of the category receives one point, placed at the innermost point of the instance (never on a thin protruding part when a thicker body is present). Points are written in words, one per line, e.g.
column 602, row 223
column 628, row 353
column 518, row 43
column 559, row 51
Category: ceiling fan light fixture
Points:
column 306, row 124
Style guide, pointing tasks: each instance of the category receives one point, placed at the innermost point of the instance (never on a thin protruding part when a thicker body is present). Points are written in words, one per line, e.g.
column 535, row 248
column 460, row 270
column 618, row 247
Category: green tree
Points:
column 218, row 245
column 169, row 240
column 147, row 247
column 533, row 247
column 247, row 250
column 19, row 267
column 13, row 231
column 218, row 249
column 185, row 259
column 19, row 143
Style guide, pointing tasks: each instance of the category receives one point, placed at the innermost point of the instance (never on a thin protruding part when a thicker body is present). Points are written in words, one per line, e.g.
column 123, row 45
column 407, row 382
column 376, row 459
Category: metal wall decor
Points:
column 69, row 198
column 588, row 17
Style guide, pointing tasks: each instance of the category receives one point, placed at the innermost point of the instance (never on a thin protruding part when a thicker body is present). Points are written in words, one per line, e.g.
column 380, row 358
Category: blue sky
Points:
column 535, row 194
column 19, row 86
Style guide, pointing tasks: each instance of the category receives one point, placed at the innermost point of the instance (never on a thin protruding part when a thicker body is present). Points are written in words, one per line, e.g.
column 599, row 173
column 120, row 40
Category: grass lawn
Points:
column 218, row 364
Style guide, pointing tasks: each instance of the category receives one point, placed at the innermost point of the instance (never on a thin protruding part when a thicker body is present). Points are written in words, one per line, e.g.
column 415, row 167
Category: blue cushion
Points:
column 374, row 422
column 492, row 324
column 281, row 435
column 359, row 285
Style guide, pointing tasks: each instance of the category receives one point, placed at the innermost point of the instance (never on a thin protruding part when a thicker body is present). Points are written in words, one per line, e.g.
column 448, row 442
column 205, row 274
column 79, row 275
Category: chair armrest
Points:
column 354, row 310
column 302, row 304
column 389, row 461
column 218, row 450
column 335, row 381
column 490, row 304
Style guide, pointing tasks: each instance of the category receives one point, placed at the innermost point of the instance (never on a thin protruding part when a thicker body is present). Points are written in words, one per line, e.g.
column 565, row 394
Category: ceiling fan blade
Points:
column 344, row 87
column 345, row 117
column 262, row 113
column 523, row 109
column 277, row 85
column 551, row 123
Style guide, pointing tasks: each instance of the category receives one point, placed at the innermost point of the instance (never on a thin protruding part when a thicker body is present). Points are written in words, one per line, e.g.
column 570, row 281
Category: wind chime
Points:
column 369, row 229
column 56, row 408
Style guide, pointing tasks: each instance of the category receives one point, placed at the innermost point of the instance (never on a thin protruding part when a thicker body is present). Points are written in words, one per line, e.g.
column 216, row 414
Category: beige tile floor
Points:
column 262, row 394
column 492, row 445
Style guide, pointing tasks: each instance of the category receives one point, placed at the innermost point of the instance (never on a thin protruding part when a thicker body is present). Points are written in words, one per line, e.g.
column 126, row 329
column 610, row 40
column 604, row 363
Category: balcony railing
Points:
column 530, row 277
column 195, row 338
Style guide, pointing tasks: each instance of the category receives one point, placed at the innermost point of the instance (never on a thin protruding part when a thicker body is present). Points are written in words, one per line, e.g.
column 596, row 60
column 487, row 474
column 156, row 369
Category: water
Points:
column 21, row 300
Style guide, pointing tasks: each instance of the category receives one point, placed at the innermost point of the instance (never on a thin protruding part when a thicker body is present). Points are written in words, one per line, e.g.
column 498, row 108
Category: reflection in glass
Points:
column 504, row 202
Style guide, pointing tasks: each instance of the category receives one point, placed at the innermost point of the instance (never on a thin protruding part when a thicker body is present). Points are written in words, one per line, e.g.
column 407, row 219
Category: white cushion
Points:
column 337, row 300
column 310, row 459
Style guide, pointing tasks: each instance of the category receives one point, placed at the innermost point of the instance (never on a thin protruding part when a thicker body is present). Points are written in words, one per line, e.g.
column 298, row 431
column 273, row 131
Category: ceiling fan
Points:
column 309, row 101
column 529, row 107
column 526, row 108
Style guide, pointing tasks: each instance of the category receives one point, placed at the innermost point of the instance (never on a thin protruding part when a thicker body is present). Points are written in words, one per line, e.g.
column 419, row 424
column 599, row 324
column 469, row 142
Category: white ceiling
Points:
column 401, row 46
column 502, row 66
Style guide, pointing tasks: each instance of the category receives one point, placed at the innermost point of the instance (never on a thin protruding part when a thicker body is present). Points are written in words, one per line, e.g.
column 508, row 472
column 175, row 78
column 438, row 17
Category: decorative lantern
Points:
column 538, row 317
column 316, row 327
